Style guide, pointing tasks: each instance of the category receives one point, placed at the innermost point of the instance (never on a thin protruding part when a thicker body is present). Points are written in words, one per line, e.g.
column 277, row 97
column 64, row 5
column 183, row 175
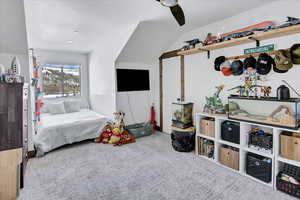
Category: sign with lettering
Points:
column 261, row 49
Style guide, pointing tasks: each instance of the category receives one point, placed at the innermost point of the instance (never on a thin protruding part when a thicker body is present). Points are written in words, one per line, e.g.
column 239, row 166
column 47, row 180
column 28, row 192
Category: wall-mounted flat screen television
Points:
column 133, row 80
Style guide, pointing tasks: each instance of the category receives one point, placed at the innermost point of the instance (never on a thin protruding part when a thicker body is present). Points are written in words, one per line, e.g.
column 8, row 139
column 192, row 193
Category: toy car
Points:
column 291, row 21
column 238, row 35
column 265, row 29
column 191, row 44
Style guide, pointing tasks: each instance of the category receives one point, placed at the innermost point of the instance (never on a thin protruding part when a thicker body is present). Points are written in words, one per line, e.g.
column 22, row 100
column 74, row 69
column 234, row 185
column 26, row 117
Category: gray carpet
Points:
column 146, row 170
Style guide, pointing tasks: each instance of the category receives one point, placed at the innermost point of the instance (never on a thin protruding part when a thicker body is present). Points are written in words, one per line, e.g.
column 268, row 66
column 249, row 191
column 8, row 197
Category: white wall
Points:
column 137, row 104
column 102, row 69
column 61, row 57
column 148, row 42
column 13, row 38
column 200, row 76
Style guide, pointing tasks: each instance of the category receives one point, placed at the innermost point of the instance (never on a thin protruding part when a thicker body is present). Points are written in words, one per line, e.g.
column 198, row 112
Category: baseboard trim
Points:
column 31, row 154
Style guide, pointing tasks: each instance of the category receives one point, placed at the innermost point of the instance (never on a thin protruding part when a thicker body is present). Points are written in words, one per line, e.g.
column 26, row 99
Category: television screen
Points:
column 132, row 80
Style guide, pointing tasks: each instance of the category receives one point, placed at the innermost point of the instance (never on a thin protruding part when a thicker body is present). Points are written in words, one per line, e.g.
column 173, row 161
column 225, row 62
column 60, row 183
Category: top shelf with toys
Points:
column 262, row 31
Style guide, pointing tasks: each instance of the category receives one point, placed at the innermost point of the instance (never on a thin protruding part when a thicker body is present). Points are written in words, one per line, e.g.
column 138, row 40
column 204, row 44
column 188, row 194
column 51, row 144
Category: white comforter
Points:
column 58, row 130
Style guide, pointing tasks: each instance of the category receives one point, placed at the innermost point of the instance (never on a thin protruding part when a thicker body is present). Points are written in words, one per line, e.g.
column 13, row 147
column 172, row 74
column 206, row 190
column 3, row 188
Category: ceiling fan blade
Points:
column 178, row 14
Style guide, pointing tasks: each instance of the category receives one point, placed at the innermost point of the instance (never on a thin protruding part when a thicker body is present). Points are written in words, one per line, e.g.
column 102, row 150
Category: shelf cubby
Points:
column 244, row 148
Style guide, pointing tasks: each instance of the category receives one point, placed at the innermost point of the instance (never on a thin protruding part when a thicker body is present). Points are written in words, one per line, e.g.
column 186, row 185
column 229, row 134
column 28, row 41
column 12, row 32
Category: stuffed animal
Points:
column 105, row 135
column 126, row 138
column 119, row 120
column 116, row 136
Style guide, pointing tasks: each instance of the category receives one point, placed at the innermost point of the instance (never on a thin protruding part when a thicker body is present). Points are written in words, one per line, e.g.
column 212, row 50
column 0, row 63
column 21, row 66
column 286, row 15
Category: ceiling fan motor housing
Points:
column 169, row 3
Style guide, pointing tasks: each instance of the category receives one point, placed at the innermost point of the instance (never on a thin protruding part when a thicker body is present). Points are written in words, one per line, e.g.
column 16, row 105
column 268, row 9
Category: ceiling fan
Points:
column 175, row 9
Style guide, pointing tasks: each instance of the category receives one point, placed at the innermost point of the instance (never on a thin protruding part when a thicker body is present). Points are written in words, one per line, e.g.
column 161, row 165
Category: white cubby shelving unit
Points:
column 245, row 127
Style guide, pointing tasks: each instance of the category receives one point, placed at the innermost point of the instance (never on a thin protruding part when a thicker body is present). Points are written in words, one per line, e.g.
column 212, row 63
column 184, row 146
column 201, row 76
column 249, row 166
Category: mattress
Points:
column 57, row 130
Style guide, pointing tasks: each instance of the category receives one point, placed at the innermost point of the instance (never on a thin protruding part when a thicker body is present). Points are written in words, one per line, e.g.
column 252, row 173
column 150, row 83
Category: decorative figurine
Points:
column 266, row 90
column 250, row 87
column 191, row 44
column 214, row 104
column 16, row 66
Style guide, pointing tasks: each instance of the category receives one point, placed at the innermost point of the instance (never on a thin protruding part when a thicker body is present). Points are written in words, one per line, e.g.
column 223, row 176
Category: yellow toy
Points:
column 116, row 136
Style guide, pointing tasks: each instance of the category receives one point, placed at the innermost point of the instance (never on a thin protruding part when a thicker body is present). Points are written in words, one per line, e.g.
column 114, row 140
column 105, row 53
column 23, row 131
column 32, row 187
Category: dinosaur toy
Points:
column 214, row 104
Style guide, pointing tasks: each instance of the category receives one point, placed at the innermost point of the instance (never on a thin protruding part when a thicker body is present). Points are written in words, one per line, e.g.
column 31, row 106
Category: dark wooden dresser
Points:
column 11, row 116
column 13, row 123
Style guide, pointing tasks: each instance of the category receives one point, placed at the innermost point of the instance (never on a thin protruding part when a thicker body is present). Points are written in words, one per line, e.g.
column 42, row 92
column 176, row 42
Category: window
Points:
column 61, row 80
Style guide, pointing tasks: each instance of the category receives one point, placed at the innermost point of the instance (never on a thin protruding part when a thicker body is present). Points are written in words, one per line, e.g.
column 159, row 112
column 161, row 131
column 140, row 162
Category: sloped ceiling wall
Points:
column 153, row 37
column 13, row 37
column 148, row 42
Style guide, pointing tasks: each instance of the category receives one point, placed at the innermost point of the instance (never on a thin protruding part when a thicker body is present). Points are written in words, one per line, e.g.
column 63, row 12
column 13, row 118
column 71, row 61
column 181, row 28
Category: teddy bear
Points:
column 116, row 135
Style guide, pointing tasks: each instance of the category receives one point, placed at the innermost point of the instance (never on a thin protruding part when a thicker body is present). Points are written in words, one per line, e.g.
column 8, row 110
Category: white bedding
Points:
column 57, row 130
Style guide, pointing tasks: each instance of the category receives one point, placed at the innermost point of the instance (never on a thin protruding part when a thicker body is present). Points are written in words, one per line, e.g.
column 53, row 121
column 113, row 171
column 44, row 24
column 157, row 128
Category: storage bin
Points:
column 229, row 157
column 262, row 141
column 207, row 127
column 230, row 131
column 286, row 186
column 141, row 129
column 259, row 167
column 290, row 147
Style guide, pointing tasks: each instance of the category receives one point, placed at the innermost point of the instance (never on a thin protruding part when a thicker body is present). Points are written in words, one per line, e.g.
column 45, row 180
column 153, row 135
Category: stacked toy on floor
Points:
column 183, row 132
column 115, row 133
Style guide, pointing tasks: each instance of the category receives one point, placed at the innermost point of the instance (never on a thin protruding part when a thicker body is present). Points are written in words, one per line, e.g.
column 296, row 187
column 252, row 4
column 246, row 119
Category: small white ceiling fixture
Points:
column 70, row 41
column 169, row 3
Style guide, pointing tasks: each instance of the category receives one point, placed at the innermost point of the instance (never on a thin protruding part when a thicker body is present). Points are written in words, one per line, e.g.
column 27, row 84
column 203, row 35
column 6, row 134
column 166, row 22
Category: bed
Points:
column 56, row 130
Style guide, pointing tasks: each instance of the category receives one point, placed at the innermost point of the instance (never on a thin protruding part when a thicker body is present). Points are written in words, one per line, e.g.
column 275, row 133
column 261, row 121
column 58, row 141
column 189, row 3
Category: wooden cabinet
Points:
column 14, row 123
column 290, row 147
column 207, row 127
column 11, row 119
column 229, row 157
column 9, row 173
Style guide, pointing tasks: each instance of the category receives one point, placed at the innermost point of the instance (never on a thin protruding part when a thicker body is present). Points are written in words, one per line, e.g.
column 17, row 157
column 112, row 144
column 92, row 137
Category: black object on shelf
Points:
column 283, row 93
column 263, row 141
column 230, row 131
column 259, row 167
column 287, row 186
column 183, row 141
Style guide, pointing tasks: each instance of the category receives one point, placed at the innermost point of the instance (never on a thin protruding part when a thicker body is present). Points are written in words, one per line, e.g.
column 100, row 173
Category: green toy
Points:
column 214, row 104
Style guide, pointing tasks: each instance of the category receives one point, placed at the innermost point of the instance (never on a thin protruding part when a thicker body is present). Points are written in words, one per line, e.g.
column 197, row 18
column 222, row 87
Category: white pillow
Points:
column 56, row 108
column 72, row 106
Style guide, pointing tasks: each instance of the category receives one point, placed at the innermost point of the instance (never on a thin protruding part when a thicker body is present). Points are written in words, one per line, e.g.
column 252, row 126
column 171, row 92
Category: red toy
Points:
column 105, row 135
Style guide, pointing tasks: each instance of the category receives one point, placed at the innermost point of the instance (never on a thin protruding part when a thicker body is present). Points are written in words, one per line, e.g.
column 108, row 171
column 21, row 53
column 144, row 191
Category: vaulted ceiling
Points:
column 77, row 25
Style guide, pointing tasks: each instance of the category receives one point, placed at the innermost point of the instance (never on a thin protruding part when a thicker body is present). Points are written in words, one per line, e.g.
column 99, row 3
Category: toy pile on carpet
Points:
column 115, row 133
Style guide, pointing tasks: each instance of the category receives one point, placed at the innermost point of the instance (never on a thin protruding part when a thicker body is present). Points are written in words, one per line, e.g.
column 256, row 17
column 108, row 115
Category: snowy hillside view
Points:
column 61, row 80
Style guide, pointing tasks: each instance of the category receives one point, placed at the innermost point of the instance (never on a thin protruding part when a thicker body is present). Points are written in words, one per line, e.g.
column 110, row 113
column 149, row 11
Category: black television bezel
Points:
column 129, row 69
